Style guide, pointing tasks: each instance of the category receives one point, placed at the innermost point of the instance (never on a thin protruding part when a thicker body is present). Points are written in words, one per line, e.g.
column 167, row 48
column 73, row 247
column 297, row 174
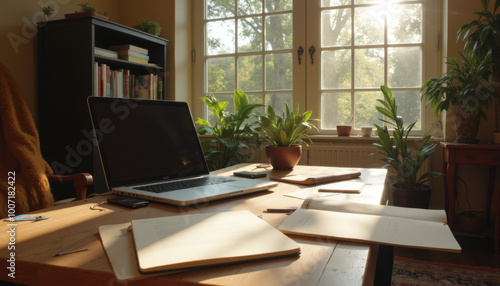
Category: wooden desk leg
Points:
column 491, row 189
column 450, row 193
column 496, row 222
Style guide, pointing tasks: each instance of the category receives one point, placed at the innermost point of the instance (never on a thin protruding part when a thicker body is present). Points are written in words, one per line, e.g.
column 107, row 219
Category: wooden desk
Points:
column 474, row 154
column 75, row 225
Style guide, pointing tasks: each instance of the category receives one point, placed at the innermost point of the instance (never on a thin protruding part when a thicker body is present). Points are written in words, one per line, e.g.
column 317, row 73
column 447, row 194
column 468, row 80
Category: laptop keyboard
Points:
column 173, row 186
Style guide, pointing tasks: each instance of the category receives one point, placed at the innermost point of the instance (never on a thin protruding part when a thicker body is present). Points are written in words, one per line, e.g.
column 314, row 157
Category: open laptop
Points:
column 150, row 147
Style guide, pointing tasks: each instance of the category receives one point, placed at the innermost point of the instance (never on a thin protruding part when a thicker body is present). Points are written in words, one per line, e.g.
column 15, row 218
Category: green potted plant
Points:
column 481, row 36
column 148, row 26
column 408, row 189
column 47, row 12
column 468, row 88
column 285, row 134
column 87, row 11
column 230, row 137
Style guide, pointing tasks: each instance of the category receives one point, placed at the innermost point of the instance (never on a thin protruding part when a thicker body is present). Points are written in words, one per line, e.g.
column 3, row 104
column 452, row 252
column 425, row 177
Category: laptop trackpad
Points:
column 203, row 192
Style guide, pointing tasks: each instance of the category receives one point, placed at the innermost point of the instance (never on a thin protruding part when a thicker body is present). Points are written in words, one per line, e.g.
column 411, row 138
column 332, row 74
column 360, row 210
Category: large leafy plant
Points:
column 231, row 134
column 397, row 154
column 465, row 83
column 288, row 129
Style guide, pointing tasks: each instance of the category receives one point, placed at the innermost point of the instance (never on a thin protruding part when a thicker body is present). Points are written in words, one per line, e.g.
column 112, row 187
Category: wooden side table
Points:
column 474, row 154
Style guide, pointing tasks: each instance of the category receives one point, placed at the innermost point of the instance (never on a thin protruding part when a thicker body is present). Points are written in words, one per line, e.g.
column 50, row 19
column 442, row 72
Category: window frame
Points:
column 306, row 76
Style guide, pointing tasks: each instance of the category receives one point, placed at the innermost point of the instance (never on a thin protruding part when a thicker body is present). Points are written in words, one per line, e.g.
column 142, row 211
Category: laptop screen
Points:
column 146, row 140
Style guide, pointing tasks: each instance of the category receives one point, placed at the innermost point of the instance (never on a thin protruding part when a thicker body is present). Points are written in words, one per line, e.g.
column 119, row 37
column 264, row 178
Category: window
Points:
column 330, row 56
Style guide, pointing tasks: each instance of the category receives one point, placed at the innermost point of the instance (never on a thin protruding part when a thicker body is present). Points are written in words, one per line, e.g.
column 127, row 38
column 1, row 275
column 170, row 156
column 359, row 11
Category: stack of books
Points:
column 131, row 53
column 110, row 82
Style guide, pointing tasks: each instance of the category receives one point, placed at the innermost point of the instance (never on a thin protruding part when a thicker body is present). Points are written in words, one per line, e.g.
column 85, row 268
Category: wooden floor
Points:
column 476, row 251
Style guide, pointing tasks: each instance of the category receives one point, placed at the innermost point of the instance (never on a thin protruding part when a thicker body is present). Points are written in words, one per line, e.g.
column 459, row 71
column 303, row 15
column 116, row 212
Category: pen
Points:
column 287, row 210
column 69, row 252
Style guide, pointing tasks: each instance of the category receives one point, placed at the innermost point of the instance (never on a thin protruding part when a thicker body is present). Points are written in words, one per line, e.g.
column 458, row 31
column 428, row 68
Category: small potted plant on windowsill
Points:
column 87, row 11
column 408, row 190
column 285, row 135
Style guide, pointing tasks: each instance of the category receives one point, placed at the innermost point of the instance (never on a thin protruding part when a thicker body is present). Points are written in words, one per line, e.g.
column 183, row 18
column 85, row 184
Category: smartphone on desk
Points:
column 253, row 175
column 132, row 203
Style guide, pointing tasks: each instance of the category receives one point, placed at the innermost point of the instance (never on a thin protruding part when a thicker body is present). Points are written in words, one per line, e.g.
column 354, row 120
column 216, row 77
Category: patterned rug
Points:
column 407, row 272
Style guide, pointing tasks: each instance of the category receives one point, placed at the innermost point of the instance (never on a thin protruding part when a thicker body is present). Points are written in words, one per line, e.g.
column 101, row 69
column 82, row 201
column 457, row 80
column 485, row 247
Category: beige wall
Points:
column 18, row 20
column 474, row 177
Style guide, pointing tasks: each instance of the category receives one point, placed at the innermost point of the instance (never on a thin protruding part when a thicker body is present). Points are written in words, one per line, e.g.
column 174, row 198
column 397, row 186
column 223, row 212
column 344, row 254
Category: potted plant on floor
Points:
column 468, row 88
column 285, row 135
column 232, row 134
column 408, row 190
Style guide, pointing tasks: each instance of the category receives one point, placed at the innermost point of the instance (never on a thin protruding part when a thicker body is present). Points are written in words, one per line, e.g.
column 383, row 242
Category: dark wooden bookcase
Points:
column 66, row 77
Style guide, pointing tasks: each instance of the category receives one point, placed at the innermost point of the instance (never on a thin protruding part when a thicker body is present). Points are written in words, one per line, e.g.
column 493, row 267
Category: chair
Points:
column 25, row 175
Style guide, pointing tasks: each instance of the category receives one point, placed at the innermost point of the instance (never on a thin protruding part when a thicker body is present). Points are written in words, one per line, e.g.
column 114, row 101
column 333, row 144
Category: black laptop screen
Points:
column 144, row 140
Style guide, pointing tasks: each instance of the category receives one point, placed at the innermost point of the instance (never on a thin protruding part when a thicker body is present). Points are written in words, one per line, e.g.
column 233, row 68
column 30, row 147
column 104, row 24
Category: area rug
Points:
column 407, row 272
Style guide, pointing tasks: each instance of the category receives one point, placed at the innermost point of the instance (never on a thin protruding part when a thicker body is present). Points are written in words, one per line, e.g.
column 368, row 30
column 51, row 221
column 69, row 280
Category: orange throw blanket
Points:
column 23, row 179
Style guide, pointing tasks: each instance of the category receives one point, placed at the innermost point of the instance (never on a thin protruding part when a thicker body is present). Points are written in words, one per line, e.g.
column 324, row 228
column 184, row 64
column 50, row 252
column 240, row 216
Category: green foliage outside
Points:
column 232, row 133
column 395, row 149
column 273, row 71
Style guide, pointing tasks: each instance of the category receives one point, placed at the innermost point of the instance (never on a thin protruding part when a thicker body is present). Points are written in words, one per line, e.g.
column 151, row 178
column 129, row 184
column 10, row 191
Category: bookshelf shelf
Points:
column 67, row 75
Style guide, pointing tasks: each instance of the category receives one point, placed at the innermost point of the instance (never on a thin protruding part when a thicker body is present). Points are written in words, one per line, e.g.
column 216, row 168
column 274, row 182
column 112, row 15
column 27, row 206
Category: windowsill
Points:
column 349, row 139
column 361, row 139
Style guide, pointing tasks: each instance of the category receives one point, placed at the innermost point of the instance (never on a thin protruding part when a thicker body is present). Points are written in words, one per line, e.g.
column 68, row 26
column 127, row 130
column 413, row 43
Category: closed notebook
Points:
column 197, row 240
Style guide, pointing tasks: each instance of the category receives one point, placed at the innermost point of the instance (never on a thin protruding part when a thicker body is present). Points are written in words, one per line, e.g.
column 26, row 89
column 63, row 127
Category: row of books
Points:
column 121, row 83
column 125, row 52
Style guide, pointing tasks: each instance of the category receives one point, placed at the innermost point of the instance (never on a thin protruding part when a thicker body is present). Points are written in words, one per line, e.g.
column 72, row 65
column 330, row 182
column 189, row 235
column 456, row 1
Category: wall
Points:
column 18, row 20
column 472, row 179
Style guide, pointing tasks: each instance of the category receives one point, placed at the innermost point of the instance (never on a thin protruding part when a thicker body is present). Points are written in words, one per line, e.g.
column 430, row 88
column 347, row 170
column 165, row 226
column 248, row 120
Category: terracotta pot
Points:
column 471, row 221
column 344, row 130
column 410, row 198
column 496, row 137
column 283, row 158
column 466, row 126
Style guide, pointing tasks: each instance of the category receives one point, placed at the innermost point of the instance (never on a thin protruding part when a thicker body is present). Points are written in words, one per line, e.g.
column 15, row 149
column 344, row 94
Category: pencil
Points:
column 69, row 252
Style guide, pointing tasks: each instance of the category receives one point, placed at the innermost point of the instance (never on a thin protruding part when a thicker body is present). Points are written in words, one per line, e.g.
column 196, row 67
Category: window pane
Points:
column 365, row 113
column 249, row 7
column 335, row 109
column 336, row 28
column 220, row 74
column 336, row 69
column 220, row 37
column 277, row 6
column 367, row 1
column 333, row 3
column 368, row 68
column 220, row 9
column 405, row 67
column 368, row 26
column 408, row 103
column 250, row 73
column 279, row 71
column 250, row 34
column 278, row 101
column 405, row 24
column 279, row 32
